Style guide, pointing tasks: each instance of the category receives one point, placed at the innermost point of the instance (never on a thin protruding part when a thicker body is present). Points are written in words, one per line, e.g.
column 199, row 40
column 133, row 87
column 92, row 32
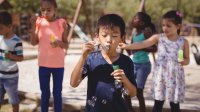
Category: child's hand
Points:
column 181, row 62
column 119, row 75
column 8, row 55
column 65, row 25
column 33, row 19
column 56, row 43
column 123, row 45
column 88, row 47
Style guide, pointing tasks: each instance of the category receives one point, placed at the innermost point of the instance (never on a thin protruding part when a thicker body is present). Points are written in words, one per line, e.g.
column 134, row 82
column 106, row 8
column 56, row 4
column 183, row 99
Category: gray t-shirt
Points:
column 9, row 68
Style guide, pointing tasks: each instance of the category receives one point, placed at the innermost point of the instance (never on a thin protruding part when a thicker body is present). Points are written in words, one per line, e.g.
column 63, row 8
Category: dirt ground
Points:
column 74, row 99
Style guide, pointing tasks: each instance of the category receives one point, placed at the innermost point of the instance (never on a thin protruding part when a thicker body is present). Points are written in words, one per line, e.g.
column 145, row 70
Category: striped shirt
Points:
column 9, row 68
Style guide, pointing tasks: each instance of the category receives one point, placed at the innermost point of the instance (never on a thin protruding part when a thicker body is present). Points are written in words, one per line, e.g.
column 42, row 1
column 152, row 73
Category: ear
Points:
column 179, row 26
column 123, row 38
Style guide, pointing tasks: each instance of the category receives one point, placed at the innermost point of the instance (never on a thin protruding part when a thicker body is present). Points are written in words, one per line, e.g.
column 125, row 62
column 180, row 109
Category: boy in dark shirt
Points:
column 102, row 95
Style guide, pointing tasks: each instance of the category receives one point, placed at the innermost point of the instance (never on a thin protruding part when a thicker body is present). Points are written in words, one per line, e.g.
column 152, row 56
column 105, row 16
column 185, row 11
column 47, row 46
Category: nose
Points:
column 164, row 28
column 108, row 39
column 45, row 13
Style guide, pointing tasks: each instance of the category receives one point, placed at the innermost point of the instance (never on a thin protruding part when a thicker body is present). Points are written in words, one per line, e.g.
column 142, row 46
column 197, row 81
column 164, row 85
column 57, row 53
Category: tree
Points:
column 93, row 9
column 24, row 6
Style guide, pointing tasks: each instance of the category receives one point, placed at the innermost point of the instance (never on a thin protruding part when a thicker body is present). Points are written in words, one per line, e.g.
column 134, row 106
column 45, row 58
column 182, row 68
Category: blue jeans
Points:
column 9, row 86
column 141, row 72
column 44, row 78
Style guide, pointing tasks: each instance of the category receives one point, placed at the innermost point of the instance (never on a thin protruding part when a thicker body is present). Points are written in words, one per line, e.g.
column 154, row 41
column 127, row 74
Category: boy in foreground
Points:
column 102, row 93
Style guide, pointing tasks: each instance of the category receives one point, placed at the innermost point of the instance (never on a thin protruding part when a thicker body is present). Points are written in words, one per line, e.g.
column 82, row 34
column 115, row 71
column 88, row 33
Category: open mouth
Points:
column 44, row 17
column 106, row 47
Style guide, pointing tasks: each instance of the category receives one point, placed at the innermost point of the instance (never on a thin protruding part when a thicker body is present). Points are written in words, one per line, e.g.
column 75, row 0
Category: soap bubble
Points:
column 92, row 101
column 104, row 101
column 84, row 70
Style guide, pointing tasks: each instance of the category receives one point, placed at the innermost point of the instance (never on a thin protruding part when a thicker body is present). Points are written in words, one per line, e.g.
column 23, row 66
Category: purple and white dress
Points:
column 168, row 82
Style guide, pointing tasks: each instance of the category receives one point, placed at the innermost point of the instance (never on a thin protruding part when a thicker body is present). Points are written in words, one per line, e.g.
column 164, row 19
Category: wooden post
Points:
column 142, row 6
column 75, row 19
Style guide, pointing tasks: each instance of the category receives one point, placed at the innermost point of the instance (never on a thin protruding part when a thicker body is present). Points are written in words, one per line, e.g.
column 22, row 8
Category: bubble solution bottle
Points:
column 52, row 39
column 180, row 55
column 7, row 59
column 118, row 85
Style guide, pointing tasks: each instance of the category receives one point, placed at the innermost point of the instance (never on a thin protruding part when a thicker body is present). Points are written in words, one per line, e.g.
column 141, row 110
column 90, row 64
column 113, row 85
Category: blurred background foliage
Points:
column 93, row 9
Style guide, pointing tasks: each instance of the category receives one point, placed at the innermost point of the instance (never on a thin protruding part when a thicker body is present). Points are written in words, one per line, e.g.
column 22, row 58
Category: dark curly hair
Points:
column 5, row 18
column 53, row 2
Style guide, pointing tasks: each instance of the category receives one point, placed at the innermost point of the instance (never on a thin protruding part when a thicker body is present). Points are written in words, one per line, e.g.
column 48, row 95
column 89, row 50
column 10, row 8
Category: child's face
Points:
column 109, row 38
column 136, row 22
column 169, row 28
column 148, row 31
column 4, row 29
column 47, row 10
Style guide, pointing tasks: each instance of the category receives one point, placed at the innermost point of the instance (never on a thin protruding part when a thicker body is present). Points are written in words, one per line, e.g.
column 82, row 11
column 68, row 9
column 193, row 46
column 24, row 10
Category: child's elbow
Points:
column 73, row 84
column 21, row 59
column 134, row 92
column 34, row 43
column 188, row 62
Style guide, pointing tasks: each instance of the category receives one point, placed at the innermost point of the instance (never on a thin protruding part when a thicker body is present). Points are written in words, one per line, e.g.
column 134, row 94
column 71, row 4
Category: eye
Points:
column 163, row 24
column 104, row 35
column 42, row 10
column 168, row 26
column 114, row 36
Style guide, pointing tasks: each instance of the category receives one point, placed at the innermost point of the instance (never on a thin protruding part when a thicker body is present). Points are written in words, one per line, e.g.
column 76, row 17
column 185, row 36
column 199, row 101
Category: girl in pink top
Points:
column 50, row 33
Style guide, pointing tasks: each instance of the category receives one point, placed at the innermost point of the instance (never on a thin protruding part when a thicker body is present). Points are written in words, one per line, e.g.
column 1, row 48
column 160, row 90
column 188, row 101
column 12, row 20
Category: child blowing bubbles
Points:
column 168, row 81
column 50, row 33
column 102, row 96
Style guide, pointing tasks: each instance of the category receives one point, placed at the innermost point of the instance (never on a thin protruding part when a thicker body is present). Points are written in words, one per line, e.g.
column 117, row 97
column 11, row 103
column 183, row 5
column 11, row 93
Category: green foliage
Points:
column 126, row 8
column 92, row 9
column 66, row 7
column 24, row 6
column 191, row 10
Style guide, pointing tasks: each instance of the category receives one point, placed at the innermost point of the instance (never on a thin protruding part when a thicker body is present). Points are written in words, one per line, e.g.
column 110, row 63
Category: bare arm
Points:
column 64, row 43
column 140, row 45
column 14, row 57
column 186, row 54
column 131, row 88
column 34, row 31
column 34, row 38
column 76, row 76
